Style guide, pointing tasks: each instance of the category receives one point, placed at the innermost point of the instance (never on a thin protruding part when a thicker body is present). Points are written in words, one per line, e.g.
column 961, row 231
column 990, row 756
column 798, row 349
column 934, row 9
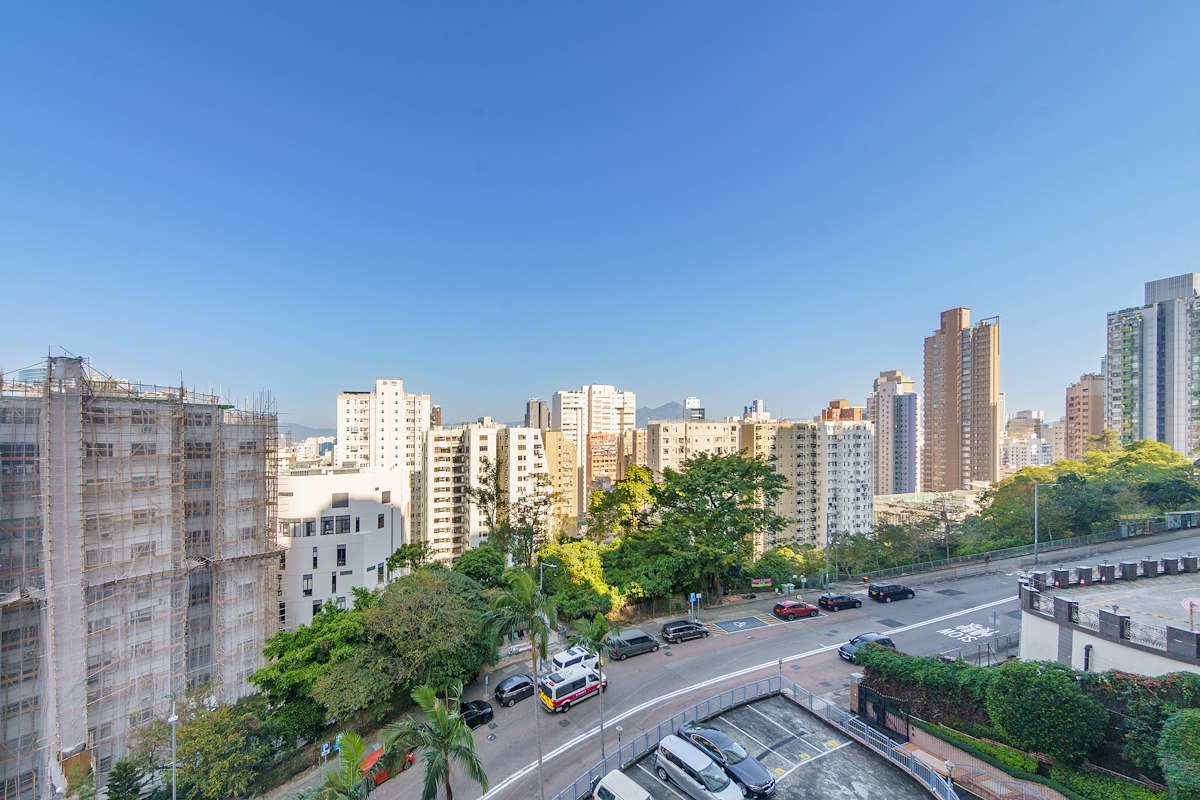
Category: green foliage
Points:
column 781, row 563
column 1039, row 706
column 483, row 564
column 1179, row 754
column 367, row 681
column 343, row 781
column 1094, row 786
column 428, row 627
column 953, row 679
column 576, row 581
column 715, row 504
column 993, row 753
column 628, row 507
column 442, row 738
column 124, row 781
column 411, row 556
column 650, row 563
column 1140, row 705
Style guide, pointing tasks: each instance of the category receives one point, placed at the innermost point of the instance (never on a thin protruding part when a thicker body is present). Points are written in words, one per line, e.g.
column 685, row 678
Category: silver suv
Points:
column 688, row 767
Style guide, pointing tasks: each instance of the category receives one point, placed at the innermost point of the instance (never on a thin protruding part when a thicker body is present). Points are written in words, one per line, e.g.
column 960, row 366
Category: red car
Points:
column 381, row 774
column 790, row 609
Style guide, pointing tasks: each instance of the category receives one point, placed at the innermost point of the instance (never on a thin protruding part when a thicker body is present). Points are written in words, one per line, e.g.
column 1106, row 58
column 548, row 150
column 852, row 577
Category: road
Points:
column 651, row 687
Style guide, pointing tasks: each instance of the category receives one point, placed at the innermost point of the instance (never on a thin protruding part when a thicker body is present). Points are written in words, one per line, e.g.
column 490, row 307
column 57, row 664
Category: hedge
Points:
column 993, row 753
column 1094, row 786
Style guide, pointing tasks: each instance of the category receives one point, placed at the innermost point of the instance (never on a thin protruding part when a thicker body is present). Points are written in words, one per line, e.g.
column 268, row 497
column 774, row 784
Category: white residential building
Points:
column 383, row 428
column 1028, row 451
column 670, row 443
column 138, row 558
column 591, row 409
column 337, row 528
column 895, row 408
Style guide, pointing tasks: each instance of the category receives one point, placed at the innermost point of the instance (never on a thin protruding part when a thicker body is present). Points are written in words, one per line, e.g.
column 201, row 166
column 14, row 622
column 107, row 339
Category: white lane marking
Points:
column 523, row 771
column 760, row 742
column 659, row 780
column 776, row 723
column 814, row 758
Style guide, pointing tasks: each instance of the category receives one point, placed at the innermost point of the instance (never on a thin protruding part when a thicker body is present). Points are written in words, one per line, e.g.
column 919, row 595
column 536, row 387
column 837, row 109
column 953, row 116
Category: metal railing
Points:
column 854, row 727
column 1149, row 635
column 988, row 652
column 1088, row 618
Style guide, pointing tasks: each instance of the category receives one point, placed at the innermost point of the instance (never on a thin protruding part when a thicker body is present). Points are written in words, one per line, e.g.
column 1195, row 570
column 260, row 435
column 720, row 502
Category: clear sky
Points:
column 496, row 200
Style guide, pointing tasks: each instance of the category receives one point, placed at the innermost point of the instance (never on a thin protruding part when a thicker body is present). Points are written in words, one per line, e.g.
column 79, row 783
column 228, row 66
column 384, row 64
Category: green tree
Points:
column 483, row 564
column 1039, row 706
column 718, row 503
column 780, row 564
column 443, row 739
column 345, row 780
column 367, row 680
column 521, row 606
column 1179, row 754
column 577, row 582
column 597, row 636
column 628, row 507
column 430, row 624
column 411, row 556
column 124, row 781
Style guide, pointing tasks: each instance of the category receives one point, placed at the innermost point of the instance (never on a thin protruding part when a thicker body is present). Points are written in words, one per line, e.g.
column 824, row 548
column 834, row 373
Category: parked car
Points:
column 682, row 763
column 631, row 642
column 514, row 688
column 576, row 655
column 751, row 777
column 790, row 609
column 887, row 592
column 836, row 602
column 562, row 689
column 616, row 785
column 380, row 775
column 476, row 713
column 850, row 649
column 681, row 629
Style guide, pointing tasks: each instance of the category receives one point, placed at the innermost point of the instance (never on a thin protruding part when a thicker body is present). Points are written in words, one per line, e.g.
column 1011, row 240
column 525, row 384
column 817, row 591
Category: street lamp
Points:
column 1035, row 519
column 950, row 765
column 620, row 730
column 542, row 575
column 173, row 720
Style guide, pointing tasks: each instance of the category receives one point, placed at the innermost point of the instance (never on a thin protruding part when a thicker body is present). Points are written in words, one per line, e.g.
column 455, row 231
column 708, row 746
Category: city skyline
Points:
column 678, row 200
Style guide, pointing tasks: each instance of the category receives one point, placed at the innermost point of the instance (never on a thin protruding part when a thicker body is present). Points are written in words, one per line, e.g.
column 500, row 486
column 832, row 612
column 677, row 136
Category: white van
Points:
column 576, row 655
column 682, row 763
column 564, row 688
column 617, row 786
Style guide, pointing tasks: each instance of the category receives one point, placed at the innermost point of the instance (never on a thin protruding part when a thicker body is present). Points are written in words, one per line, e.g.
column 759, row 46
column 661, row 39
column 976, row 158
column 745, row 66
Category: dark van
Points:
column 681, row 629
column 887, row 592
column 631, row 642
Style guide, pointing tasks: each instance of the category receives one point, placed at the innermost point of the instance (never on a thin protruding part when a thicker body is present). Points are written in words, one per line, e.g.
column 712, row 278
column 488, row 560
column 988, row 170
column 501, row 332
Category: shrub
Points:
column 1039, row 706
column 1179, row 754
column 1094, row 786
column 996, row 754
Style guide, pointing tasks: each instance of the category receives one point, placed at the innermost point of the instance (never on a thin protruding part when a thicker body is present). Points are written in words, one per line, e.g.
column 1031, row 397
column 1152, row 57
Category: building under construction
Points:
column 137, row 560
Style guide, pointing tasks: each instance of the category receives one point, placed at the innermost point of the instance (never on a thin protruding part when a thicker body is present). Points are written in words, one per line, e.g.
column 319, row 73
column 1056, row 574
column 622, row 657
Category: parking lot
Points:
column 810, row 758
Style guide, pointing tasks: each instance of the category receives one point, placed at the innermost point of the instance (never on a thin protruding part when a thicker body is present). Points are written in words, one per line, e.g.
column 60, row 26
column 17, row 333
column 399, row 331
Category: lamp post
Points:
column 950, row 765
column 542, row 575
column 620, row 730
column 1036, row 486
column 173, row 719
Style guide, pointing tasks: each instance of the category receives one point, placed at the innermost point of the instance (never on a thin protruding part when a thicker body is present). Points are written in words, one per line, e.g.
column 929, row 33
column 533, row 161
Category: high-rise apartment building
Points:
column 138, row 532
column 830, row 473
column 633, row 451
column 537, row 414
column 1152, row 363
column 596, row 408
column 384, row 428
column 692, row 410
column 564, row 480
column 603, row 458
column 1085, row 413
column 895, row 408
column 670, row 444
column 1056, row 434
column 841, row 411
column 963, row 420
column 1025, row 423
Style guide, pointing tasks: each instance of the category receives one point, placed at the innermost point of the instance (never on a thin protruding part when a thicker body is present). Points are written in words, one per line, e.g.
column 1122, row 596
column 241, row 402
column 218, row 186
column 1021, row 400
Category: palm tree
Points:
column 443, row 737
column 518, row 606
column 595, row 636
column 345, row 780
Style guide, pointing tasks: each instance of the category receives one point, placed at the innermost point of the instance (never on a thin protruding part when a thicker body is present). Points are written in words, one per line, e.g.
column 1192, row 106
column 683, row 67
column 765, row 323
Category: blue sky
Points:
column 496, row 200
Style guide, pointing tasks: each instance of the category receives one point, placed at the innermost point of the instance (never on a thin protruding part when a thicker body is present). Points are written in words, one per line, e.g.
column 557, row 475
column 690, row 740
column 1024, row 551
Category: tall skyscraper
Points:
column 1085, row 413
column 895, row 408
column 1152, row 369
column 962, row 403
column 597, row 408
column 139, row 558
column 537, row 414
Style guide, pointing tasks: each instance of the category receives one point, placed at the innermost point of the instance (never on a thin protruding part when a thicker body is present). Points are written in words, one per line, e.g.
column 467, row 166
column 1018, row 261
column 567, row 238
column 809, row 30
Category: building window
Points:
column 326, row 526
column 316, row 607
column 333, row 583
column 314, row 558
column 282, row 612
column 380, row 525
column 310, row 527
column 356, row 521
column 341, row 500
column 385, row 497
column 343, row 524
column 306, row 585
column 341, row 555
column 379, row 573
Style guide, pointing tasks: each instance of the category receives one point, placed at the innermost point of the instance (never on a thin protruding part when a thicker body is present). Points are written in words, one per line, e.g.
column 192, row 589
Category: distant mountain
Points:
column 301, row 432
column 665, row 411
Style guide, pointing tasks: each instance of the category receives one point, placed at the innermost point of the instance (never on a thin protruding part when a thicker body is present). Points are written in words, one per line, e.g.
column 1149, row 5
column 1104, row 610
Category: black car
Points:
column 887, row 592
column 836, row 602
column 850, row 649
column 747, row 772
column 514, row 688
column 681, row 629
column 476, row 713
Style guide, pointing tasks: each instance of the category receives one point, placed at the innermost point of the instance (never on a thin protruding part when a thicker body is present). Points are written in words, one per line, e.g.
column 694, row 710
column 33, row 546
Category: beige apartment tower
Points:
column 1085, row 413
column 963, row 420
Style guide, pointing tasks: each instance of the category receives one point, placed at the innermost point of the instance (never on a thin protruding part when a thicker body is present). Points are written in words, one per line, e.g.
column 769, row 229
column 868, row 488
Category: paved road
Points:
column 649, row 688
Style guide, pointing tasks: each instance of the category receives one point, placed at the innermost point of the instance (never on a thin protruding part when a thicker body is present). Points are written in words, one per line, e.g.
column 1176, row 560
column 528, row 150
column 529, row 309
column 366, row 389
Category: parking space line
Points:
column 810, row 760
column 660, row 781
column 768, row 719
column 761, row 743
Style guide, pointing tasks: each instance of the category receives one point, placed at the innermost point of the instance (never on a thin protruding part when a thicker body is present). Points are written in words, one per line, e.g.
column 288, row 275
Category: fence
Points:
column 630, row 752
column 988, row 652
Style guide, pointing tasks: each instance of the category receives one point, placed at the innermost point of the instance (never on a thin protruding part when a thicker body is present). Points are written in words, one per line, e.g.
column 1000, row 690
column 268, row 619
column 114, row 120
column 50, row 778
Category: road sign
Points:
column 325, row 750
column 337, row 743
column 1191, row 604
